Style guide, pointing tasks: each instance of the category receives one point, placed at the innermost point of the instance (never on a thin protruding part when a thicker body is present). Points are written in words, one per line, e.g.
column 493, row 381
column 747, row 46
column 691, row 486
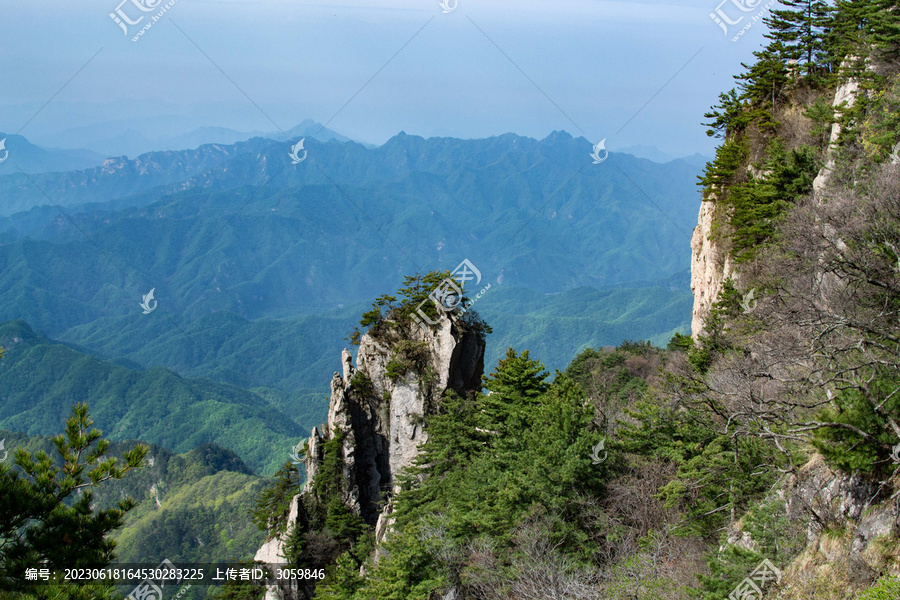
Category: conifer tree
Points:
column 884, row 17
column 47, row 518
column 515, row 387
column 797, row 33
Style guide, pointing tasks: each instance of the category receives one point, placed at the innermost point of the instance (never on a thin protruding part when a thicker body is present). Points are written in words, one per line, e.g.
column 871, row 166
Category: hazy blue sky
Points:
column 598, row 61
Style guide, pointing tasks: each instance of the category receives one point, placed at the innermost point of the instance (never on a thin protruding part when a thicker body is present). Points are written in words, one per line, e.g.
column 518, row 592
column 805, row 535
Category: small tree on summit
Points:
column 416, row 295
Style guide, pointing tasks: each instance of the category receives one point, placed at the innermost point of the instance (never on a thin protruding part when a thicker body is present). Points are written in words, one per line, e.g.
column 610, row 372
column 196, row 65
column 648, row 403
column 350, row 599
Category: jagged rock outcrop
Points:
column 378, row 410
column 379, row 407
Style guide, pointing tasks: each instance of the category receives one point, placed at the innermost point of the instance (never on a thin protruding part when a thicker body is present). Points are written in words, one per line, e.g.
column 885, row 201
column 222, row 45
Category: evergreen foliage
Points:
column 271, row 507
column 47, row 516
column 420, row 293
column 491, row 462
column 756, row 205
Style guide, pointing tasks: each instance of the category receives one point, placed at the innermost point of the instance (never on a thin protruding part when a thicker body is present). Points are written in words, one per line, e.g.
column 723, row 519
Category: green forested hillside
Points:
column 279, row 251
column 190, row 507
column 559, row 327
column 193, row 507
column 40, row 380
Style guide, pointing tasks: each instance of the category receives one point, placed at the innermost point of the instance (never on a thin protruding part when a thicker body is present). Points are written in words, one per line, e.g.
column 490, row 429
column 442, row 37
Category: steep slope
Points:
column 795, row 279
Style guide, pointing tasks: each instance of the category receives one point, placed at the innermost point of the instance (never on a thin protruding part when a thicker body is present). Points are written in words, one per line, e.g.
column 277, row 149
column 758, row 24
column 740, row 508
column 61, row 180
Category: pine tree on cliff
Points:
column 885, row 22
column 861, row 25
column 798, row 33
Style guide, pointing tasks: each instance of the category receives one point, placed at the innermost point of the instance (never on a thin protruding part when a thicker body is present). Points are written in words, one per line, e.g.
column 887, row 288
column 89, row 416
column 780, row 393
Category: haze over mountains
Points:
column 260, row 267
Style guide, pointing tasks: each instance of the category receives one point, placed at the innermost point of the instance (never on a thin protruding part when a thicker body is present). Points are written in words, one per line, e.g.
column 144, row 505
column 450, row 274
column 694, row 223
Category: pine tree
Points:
column 271, row 507
column 47, row 518
column 851, row 30
column 515, row 387
column 798, row 33
column 884, row 18
column 764, row 81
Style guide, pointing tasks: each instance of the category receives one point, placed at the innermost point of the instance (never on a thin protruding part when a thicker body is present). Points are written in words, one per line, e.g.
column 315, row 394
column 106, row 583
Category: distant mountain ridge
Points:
column 532, row 213
column 18, row 153
column 134, row 143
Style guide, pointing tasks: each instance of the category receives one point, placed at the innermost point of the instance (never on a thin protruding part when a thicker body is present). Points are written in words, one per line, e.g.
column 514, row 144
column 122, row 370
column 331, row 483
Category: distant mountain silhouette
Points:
column 32, row 159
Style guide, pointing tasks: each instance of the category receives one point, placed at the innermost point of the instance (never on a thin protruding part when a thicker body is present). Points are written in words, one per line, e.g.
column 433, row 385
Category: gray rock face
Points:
column 840, row 498
column 381, row 418
column 710, row 266
column 272, row 550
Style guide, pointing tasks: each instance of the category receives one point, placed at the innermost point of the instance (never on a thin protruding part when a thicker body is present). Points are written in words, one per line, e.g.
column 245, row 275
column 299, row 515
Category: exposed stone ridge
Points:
column 844, row 96
column 710, row 265
column 381, row 417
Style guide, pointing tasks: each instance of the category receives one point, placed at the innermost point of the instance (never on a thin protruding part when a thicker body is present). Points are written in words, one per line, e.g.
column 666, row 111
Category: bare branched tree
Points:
column 827, row 320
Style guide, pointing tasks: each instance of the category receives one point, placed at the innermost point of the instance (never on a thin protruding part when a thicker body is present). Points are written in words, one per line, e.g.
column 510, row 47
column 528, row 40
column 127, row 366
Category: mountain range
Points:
column 260, row 267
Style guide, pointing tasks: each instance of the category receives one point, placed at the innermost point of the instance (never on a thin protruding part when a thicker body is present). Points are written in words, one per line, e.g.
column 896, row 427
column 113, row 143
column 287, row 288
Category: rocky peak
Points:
column 379, row 406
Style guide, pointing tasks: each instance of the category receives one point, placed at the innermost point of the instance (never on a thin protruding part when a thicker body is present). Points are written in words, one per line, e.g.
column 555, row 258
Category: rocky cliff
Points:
column 711, row 261
column 376, row 417
column 379, row 407
column 840, row 529
column 710, row 265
